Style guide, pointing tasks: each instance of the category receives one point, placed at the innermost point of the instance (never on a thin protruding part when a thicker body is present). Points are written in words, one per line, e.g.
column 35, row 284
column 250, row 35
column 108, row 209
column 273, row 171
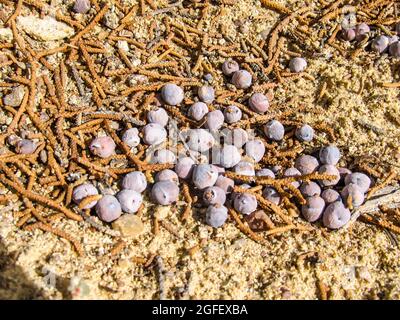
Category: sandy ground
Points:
column 359, row 263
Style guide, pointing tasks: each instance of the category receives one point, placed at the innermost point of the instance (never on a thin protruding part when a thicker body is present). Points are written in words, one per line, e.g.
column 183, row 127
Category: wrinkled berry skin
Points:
column 232, row 114
column 306, row 164
column 172, row 94
column 245, row 203
column 81, row 6
column 353, row 190
column 216, row 215
column 255, row 149
column 159, row 116
column 204, row 176
column 108, row 208
column 336, row 215
column 272, row 195
column 102, row 147
column 226, row 184
column 265, row 173
column 184, row 167
column 206, row 94
column 244, row 168
column 297, row 64
column 25, row 146
column 214, row 120
column 199, row 139
column 228, row 156
column 348, row 34
column 330, row 195
column 238, row 137
column 129, row 200
column 309, row 189
column 329, row 155
column 134, row 180
column 394, row 49
column 229, row 67
column 259, row 103
column 214, row 195
column 197, row 111
column 360, row 179
column 242, row 79
column 82, row 191
column 153, row 133
column 380, row 44
column 167, row 175
column 331, row 170
column 304, row 133
column 313, row 208
column 274, row 130
column 361, row 31
column 165, row 192
column 131, row 137
column 292, row 172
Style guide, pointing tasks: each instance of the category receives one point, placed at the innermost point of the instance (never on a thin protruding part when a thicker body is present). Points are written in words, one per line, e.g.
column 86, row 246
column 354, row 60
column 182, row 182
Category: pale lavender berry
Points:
column 330, row 195
column 206, row 94
column 184, row 167
column 361, row 31
column 225, row 184
column 310, row 188
column 380, row 44
column 274, row 130
column 265, row 173
column 82, row 191
column 229, row 67
column 336, row 215
column 216, row 215
column 360, row 179
column 232, row 114
column 297, row 64
column 354, row 191
column 108, row 208
column 153, row 133
column 306, row 164
column 245, row 203
column 198, row 110
column 259, row 102
column 167, row 175
column 165, row 192
column 172, row 94
column 163, row 156
column 394, row 49
column 134, row 180
column 304, row 133
column 214, row 195
column 131, row 137
column 270, row 194
column 214, row 120
column 102, row 147
column 228, row 156
column 348, row 34
column 329, row 155
column 238, row 137
column 129, row 200
column 244, row 168
column 199, row 140
column 292, row 172
column 313, row 208
column 393, row 39
column 25, row 146
column 255, row 149
column 331, row 170
column 204, row 175
column 81, row 6
column 242, row 79
column 159, row 116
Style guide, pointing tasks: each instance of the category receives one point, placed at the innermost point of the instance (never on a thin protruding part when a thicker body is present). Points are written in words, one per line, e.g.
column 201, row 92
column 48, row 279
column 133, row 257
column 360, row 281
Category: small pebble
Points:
column 102, row 147
column 245, row 203
column 357, row 196
column 14, row 99
column 131, row 137
column 172, row 94
column 259, row 103
column 216, row 215
column 167, row 175
column 330, row 195
column 197, row 111
column 82, row 191
column 159, row 116
column 232, row 114
column 329, row 155
column 255, row 149
column 184, row 167
column 310, row 188
column 244, row 168
column 242, row 79
column 81, row 6
column 256, row 220
column 129, row 225
column 214, row 120
column 297, row 64
column 153, row 133
column 313, row 208
column 360, row 179
column 229, row 67
column 25, row 146
column 165, row 192
column 206, row 94
column 108, row 208
column 214, row 195
column 134, row 180
column 306, row 164
column 304, row 133
column 129, row 200
column 274, row 130
column 272, row 195
column 336, row 215
column 204, row 175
